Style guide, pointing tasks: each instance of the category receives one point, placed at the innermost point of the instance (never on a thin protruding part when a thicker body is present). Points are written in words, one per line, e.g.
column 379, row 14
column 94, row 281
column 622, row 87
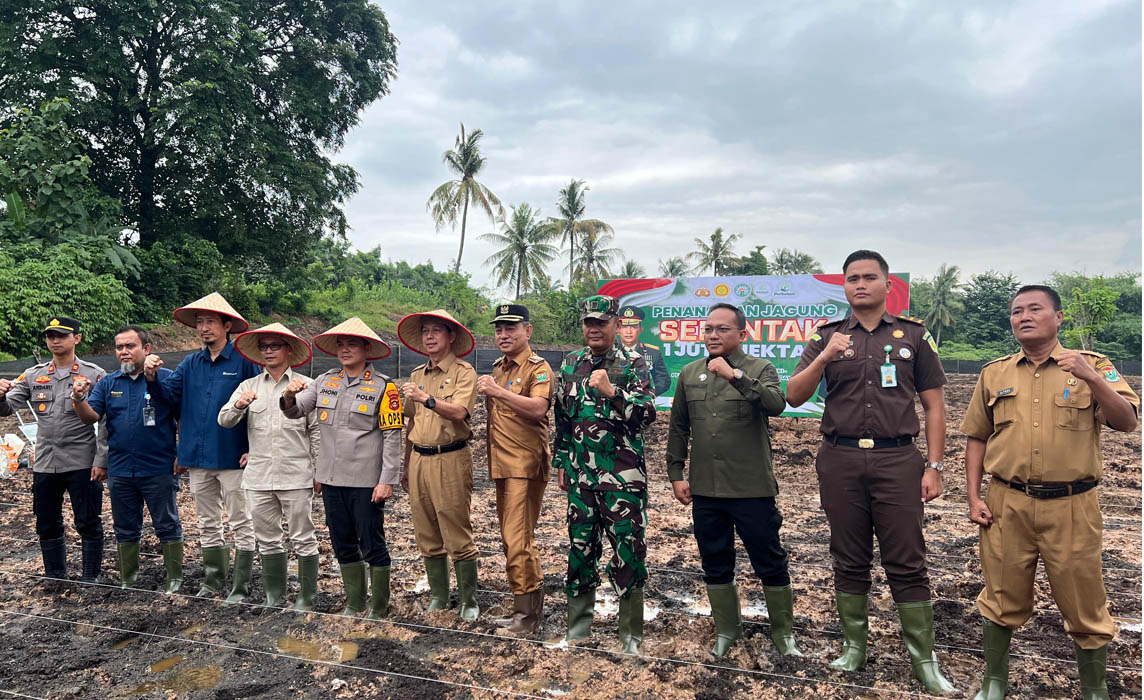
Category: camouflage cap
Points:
column 599, row 306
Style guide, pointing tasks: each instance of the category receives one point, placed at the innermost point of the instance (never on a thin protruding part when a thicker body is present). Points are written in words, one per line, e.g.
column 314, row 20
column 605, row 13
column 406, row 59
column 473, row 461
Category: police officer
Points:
column 359, row 411
column 872, row 480
column 631, row 327
column 518, row 394
column 69, row 455
column 1034, row 424
column 438, row 474
column 603, row 402
column 722, row 406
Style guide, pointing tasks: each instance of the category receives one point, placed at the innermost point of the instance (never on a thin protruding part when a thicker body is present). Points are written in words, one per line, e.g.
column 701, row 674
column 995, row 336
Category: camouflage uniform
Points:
column 600, row 449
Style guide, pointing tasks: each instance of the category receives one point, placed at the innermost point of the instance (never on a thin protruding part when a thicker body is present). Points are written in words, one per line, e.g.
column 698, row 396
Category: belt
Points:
column 440, row 449
column 869, row 443
column 1051, row 491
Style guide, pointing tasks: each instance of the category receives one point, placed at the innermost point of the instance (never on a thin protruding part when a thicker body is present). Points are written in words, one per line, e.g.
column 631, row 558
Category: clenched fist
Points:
column 151, row 366
column 412, row 393
column 488, row 386
column 296, row 385
column 80, row 387
column 837, row 345
column 5, row 387
column 600, row 382
column 1074, row 363
column 245, row 399
column 719, row 366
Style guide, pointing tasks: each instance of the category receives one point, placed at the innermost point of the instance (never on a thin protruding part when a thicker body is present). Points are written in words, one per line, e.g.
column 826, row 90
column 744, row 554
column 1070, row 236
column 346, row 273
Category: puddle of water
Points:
column 1129, row 627
column 123, row 643
column 347, row 651
column 160, row 666
column 421, row 586
column 193, row 629
column 342, row 651
column 184, row 680
column 757, row 611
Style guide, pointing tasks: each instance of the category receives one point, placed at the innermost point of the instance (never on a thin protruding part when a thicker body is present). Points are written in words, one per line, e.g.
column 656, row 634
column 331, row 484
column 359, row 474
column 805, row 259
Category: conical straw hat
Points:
column 247, row 344
column 328, row 342
column 216, row 303
column 409, row 330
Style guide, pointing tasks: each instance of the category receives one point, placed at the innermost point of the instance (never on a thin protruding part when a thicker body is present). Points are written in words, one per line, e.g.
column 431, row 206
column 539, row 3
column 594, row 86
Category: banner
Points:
column 782, row 313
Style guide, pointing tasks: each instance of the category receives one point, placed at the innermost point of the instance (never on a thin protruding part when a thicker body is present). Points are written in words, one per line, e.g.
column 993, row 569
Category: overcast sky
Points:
column 991, row 135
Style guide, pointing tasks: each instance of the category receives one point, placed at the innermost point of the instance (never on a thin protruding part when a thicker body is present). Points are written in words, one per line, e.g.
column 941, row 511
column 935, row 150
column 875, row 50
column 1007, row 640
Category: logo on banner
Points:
column 742, row 290
column 722, row 290
column 703, row 292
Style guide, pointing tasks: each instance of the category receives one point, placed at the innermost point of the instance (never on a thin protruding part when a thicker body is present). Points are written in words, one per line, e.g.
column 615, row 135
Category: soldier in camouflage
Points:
column 603, row 400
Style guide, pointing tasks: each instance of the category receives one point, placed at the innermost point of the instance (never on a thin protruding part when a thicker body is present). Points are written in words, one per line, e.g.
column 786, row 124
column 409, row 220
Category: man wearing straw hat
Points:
column 213, row 455
column 438, row 475
column 359, row 459
column 279, row 473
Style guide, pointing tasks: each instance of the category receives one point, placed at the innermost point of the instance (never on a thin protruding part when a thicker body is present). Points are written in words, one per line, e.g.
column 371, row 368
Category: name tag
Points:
column 116, row 394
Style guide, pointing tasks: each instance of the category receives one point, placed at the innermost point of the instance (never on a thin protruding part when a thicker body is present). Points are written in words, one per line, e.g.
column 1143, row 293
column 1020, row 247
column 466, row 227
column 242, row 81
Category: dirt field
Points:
column 99, row 641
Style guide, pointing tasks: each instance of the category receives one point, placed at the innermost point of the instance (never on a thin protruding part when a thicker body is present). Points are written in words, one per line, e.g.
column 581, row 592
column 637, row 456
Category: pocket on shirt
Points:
column 256, row 415
column 1004, row 408
column 1075, row 412
column 362, row 415
column 696, row 397
column 41, row 400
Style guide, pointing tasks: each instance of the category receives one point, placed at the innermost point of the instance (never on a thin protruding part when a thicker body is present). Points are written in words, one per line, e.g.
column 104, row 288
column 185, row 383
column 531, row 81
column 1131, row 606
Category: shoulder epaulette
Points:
column 999, row 359
column 535, row 359
column 830, row 323
column 913, row 319
column 423, row 366
column 649, row 345
column 463, row 363
column 497, row 362
column 1093, row 353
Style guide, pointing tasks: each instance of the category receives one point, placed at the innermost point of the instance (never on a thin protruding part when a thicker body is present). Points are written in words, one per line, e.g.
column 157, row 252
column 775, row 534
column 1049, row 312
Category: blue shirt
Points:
column 135, row 449
column 201, row 387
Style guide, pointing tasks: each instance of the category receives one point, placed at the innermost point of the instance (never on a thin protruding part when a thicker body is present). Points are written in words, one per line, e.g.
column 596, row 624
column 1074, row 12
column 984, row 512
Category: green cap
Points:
column 599, row 306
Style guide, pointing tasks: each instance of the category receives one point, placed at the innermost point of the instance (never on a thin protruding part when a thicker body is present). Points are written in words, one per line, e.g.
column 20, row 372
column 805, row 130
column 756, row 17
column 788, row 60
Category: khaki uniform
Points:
column 1037, row 434
column 520, row 465
column 441, row 485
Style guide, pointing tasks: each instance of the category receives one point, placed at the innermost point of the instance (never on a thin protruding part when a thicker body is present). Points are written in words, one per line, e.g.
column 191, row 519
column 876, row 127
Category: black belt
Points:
column 869, row 443
column 1050, row 491
column 440, row 449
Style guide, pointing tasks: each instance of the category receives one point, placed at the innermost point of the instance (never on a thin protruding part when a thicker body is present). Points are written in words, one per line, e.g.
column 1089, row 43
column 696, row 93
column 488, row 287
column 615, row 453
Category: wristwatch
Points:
column 936, row 466
column 738, row 373
column 430, row 403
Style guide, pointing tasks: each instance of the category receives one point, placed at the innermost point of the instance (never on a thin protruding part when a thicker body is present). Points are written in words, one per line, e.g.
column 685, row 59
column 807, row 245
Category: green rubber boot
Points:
column 379, row 592
column 855, row 620
column 466, row 572
column 307, row 583
column 216, row 560
column 631, row 621
column 581, row 609
column 996, row 642
column 128, row 564
column 725, row 611
column 780, row 609
column 917, row 633
column 243, row 570
column 274, row 578
column 354, row 581
column 1092, row 666
column 437, row 571
column 173, row 563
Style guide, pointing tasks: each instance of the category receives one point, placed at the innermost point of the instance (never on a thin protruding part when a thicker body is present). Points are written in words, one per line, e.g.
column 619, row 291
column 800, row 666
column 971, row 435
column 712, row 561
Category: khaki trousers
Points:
column 440, row 490
column 212, row 490
column 1066, row 533
column 518, row 509
column 268, row 508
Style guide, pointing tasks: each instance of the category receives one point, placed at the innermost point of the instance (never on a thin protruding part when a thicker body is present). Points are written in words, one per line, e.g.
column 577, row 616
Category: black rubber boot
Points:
column 55, row 555
column 92, row 560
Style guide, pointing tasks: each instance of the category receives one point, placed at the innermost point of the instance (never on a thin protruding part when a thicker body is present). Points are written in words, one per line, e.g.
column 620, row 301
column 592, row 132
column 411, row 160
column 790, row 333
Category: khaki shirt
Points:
column 282, row 449
column 518, row 448
column 64, row 443
column 1033, row 433
column 452, row 380
column 360, row 423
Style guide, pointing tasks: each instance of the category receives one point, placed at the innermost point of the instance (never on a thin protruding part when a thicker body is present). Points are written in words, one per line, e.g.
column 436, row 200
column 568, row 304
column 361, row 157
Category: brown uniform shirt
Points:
column 1033, row 433
column 518, row 448
column 452, row 380
column 857, row 405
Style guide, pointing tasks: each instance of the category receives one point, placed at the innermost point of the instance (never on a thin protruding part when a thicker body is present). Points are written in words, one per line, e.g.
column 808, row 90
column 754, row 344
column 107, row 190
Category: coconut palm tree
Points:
column 466, row 161
column 673, row 267
column 787, row 261
column 717, row 254
column 571, row 224
column 594, row 258
column 945, row 305
column 525, row 250
column 631, row 270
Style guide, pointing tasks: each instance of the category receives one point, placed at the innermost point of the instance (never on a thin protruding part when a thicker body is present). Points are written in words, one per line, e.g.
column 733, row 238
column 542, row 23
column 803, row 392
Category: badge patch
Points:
column 391, row 418
column 332, row 385
column 1111, row 375
column 899, row 333
column 816, row 337
column 324, row 416
column 1071, row 381
column 703, row 377
column 848, row 353
column 541, row 376
column 905, row 353
column 41, row 395
column 20, row 378
column 929, row 339
column 42, row 407
column 43, row 379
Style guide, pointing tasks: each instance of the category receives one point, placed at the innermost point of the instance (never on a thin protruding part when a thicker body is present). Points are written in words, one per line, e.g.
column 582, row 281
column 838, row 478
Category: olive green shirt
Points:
column 726, row 423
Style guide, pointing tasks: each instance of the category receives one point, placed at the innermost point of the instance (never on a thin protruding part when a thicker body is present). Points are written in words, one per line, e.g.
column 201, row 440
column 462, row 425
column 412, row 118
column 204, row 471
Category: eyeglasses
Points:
column 263, row 347
column 720, row 330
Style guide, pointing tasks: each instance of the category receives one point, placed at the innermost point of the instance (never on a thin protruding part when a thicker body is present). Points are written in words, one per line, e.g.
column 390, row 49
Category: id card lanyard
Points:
column 889, row 371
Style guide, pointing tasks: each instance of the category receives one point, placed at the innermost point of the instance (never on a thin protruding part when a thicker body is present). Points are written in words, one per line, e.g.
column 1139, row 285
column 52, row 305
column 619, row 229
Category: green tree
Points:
column 1091, row 306
column 673, row 267
column 524, row 251
column 944, row 305
column 212, row 119
column 716, row 254
column 571, row 222
column 594, row 259
column 985, row 319
column 454, row 196
column 631, row 270
column 787, row 261
column 753, row 263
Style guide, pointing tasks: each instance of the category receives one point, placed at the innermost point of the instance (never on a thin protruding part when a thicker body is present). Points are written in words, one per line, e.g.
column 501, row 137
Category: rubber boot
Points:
column 581, row 608
column 780, row 609
column 379, row 592
column 437, row 571
column 55, row 555
column 855, row 620
column 1092, row 666
column 631, row 621
column 917, row 633
column 92, row 560
column 354, row 581
column 243, row 570
column 307, row 583
column 216, row 560
column 996, row 642
column 128, row 564
column 725, row 611
column 274, row 578
column 173, row 563
column 466, row 571
column 527, row 610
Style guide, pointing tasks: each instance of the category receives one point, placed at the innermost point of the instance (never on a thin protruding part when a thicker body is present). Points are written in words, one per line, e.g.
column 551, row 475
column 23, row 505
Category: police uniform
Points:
column 66, row 449
column 599, row 447
column 519, row 465
column 653, row 356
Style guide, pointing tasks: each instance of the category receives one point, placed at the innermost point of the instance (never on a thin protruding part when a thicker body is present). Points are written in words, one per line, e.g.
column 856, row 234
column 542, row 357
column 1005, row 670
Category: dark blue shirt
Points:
column 135, row 449
column 200, row 387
